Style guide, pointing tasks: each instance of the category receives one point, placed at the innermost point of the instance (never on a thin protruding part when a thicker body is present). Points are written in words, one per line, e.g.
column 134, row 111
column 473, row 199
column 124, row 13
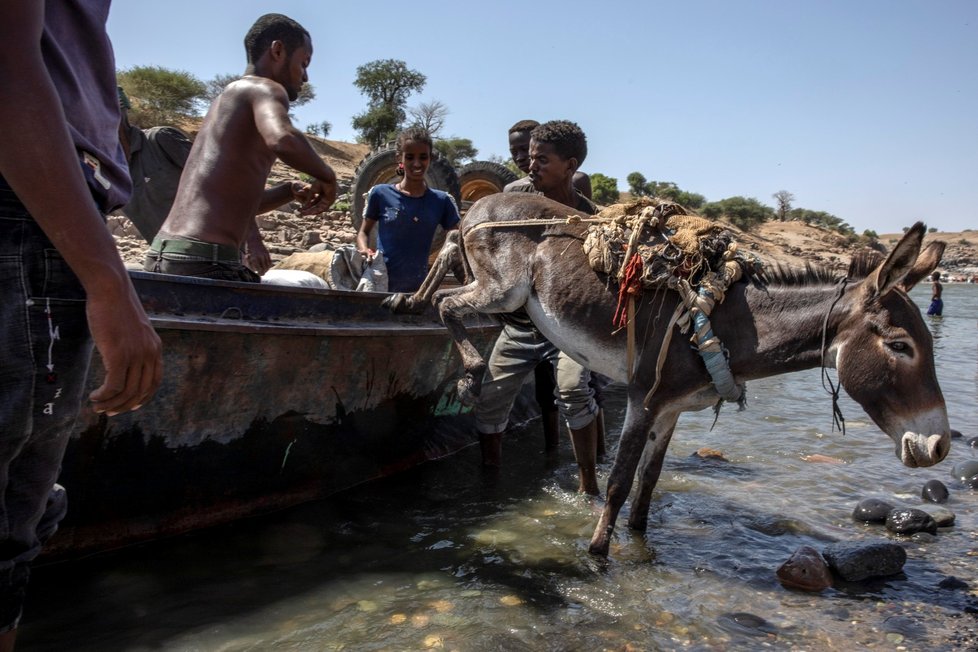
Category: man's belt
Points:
column 197, row 248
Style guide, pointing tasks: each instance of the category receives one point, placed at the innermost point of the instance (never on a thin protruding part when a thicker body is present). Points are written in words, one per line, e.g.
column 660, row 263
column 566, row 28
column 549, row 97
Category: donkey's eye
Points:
column 899, row 347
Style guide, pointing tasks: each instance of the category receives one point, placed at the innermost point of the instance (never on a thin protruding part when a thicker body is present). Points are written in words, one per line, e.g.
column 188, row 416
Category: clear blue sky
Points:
column 866, row 109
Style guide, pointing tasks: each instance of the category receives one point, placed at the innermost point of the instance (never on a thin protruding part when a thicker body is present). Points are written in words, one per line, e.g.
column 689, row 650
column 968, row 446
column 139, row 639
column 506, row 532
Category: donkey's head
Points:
column 884, row 353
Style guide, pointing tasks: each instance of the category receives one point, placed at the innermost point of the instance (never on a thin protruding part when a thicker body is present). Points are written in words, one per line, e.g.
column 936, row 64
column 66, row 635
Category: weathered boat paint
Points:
column 271, row 396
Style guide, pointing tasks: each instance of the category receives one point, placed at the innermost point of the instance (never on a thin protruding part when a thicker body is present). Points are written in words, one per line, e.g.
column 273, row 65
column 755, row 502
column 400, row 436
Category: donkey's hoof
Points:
column 395, row 302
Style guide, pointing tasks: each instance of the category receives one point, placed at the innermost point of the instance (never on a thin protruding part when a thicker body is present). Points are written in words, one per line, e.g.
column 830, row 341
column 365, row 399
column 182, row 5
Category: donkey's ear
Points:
column 927, row 262
column 898, row 264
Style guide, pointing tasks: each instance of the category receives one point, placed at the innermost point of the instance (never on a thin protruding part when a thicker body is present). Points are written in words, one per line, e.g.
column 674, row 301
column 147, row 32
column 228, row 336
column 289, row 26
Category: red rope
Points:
column 631, row 285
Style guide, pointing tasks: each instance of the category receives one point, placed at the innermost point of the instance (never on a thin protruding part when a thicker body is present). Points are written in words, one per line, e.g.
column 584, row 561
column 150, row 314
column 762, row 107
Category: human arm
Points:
column 174, row 143
column 256, row 256
column 363, row 237
column 36, row 157
column 271, row 110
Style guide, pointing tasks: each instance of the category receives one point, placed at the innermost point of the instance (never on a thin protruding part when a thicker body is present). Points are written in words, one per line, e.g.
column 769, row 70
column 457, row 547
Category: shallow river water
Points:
column 448, row 557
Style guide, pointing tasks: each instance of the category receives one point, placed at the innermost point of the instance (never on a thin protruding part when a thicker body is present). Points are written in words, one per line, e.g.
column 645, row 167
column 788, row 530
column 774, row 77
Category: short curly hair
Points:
column 524, row 125
column 273, row 27
column 566, row 137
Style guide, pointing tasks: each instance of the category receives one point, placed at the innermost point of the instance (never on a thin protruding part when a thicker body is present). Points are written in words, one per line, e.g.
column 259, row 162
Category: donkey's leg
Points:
column 476, row 297
column 449, row 259
column 650, row 469
column 635, row 432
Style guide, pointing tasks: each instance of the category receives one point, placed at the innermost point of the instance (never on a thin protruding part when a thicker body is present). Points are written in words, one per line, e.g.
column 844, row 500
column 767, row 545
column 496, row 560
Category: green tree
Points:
column 456, row 150
column 604, row 189
column 742, row 212
column 320, row 129
column 216, row 86
column 671, row 191
column 161, row 96
column 637, row 185
column 387, row 83
column 377, row 126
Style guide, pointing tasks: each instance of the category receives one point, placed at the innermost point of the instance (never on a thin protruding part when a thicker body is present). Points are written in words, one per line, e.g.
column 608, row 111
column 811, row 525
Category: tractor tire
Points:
column 481, row 178
column 380, row 166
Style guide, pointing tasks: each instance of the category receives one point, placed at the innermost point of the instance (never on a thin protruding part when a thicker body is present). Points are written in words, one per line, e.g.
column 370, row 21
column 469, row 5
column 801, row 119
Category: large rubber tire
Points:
column 481, row 178
column 380, row 166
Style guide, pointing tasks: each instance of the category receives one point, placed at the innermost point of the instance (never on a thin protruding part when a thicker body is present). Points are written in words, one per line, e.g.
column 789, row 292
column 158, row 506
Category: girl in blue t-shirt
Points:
column 408, row 212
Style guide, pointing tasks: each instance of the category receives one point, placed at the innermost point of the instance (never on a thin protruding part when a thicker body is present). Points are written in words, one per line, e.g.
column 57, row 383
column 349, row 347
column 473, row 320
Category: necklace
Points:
column 419, row 206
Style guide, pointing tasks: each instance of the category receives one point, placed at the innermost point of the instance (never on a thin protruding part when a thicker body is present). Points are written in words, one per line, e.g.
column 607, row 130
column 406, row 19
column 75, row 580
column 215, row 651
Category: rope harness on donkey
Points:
column 653, row 244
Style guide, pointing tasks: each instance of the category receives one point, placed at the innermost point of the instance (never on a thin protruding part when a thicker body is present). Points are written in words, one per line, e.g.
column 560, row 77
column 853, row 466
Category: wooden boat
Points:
column 271, row 396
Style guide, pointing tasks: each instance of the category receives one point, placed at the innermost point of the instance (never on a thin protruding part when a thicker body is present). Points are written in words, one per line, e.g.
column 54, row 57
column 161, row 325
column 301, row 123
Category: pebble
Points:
column 965, row 471
column 952, row 583
column 942, row 516
column 910, row 520
column 746, row 623
column 805, row 570
column 872, row 510
column 857, row 561
column 934, row 491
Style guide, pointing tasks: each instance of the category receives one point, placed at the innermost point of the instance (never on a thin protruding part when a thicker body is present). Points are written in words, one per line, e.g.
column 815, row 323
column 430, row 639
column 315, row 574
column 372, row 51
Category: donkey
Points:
column 869, row 330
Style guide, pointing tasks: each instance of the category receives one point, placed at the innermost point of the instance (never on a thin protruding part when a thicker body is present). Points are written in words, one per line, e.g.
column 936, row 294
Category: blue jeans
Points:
column 45, row 350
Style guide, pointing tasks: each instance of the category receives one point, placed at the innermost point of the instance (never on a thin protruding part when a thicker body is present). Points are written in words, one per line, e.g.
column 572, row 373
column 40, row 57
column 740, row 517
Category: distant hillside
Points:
column 793, row 243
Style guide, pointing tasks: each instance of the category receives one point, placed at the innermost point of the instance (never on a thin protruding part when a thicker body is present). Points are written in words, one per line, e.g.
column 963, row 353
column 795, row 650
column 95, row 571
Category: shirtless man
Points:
column 223, row 185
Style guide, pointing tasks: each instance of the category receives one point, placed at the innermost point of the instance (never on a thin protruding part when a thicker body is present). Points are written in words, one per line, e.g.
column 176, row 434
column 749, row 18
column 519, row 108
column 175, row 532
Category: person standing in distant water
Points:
column 936, row 302
column 406, row 214
column 519, row 149
column 63, row 285
column 223, row 185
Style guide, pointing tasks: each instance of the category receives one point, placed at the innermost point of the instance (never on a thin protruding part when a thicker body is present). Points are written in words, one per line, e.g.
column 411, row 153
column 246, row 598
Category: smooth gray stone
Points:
column 872, row 510
column 910, row 520
column 964, row 471
column 857, row 561
column 934, row 491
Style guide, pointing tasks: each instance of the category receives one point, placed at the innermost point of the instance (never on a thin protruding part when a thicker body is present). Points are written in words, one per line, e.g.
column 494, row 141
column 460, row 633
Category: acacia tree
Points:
column 430, row 116
column 604, row 189
column 216, row 86
column 161, row 96
column 637, row 184
column 742, row 212
column 387, row 83
column 456, row 150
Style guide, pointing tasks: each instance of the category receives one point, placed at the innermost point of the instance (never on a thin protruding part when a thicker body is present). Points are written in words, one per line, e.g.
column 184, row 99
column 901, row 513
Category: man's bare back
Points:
column 246, row 129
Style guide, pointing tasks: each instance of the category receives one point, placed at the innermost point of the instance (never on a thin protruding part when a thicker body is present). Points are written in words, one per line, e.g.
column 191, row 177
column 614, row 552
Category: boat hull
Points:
column 271, row 397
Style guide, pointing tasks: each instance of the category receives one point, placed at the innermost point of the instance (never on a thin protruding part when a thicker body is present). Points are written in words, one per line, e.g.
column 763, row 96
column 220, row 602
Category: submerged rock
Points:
column 857, row 561
column 709, row 454
column 909, row 520
column 872, row 510
column 746, row 623
column 965, row 471
column 934, row 491
column 805, row 570
column 942, row 516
